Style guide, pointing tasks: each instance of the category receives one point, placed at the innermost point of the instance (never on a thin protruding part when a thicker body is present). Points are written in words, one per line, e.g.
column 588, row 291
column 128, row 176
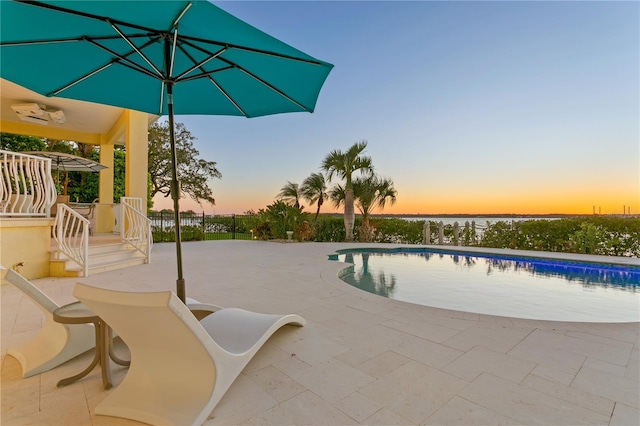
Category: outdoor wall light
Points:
column 31, row 113
column 57, row 116
column 34, row 113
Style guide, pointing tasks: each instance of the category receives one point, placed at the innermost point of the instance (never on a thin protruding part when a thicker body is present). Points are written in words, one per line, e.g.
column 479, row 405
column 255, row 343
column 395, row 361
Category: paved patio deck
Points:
column 361, row 359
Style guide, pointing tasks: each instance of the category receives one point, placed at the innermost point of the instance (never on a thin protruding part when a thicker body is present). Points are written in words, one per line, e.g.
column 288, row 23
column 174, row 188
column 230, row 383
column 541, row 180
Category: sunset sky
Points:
column 469, row 107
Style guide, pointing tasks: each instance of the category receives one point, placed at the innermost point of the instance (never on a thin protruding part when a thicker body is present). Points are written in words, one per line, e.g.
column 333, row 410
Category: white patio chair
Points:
column 56, row 343
column 180, row 368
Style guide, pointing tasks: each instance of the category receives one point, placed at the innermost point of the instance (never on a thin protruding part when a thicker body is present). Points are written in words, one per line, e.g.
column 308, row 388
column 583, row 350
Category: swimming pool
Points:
column 496, row 284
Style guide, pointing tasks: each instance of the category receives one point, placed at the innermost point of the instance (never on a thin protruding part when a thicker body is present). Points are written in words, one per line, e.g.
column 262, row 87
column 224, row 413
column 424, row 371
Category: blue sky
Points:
column 470, row 107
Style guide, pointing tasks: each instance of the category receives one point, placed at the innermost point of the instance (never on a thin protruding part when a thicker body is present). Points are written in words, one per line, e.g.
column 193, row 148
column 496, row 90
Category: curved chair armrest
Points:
column 202, row 310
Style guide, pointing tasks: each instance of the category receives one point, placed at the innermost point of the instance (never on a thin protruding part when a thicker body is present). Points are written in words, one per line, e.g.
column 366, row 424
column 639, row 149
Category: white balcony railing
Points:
column 136, row 227
column 26, row 185
column 71, row 232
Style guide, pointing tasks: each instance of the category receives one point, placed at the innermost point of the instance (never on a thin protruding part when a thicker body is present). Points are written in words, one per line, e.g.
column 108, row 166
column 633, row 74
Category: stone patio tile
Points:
column 371, row 341
column 556, row 362
column 606, row 367
column 499, row 338
column 479, row 359
column 267, row 355
column 386, row 417
column 312, row 347
column 19, row 401
column 623, row 415
column 418, row 349
column 372, row 304
column 526, row 405
column 359, row 318
column 433, row 332
column 624, row 332
column 633, row 368
column 608, row 386
column 243, row 400
column 67, row 395
column 317, row 313
column 603, row 338
column 604, row 349
column 383, row 364
column 457, row 323
column 575, row 396
column 413, row 391
column 357, row 406
column 331, row 379
column 459, row 411
column 353, row 358
column 76, row 415
column 561, row 374
column 277, row 384
column 391, row 366
column 303, row 409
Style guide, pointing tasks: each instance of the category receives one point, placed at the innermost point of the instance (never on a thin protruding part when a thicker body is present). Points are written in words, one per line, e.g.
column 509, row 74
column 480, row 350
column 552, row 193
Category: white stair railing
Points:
column 136, row 227
column 71, row 233
column 26, row 185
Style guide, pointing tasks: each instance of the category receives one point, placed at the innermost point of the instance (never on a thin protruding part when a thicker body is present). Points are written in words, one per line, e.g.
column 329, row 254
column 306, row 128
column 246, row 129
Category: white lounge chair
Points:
column 56, row 343
column 180, row 368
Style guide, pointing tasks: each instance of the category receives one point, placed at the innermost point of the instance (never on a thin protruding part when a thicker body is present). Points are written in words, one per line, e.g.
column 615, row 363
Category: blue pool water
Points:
column 512, row 286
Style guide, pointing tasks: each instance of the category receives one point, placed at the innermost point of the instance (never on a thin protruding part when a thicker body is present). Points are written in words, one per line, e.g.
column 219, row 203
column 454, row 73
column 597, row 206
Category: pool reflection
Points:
column 383, row 283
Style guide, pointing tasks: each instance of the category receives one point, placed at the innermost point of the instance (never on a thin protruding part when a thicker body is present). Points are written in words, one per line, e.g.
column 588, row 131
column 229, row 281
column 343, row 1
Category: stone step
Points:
column 105, row 257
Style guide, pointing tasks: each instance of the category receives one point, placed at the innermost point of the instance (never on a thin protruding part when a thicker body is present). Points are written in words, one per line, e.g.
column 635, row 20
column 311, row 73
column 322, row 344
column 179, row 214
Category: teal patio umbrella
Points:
column 160, row 57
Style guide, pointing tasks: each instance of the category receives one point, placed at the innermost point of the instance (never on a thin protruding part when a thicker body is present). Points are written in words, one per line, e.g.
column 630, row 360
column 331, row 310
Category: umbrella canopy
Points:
column 69, row 162
column 156, row 56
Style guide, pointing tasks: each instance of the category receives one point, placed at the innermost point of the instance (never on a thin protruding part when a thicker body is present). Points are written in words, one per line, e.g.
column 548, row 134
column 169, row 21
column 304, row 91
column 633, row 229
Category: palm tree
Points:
column 343, row 165
column 314, row 190
column 290, row 194
column 371, row 192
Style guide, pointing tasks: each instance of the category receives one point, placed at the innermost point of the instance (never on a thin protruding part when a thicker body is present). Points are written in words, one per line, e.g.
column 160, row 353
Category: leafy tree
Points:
column 20, row 143
column 290, row 194
column 314, row 190
column 193, row 172
column 344, row 165
column 89, row 191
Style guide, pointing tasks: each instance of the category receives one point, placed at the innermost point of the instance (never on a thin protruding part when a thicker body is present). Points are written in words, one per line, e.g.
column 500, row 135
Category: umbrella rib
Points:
column 177, row 20
column 252, row 50
column 198, row 65
column 86, row 15
column 229, row 98
column 224, row 92
column 120, row 57
column 255, row 77
column 151, row 30
column 134, row 47
column 78, row 80
column 161, row 98
column 173, row 52
column 272, row 87
column 204, row 73
column 60, row 40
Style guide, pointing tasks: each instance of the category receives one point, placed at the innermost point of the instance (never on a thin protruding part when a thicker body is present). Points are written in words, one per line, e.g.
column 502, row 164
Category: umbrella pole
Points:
column 175, row 195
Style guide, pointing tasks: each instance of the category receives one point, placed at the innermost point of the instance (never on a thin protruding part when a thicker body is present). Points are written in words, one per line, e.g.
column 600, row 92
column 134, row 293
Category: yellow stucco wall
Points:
column 27, row 241
column 137, row 145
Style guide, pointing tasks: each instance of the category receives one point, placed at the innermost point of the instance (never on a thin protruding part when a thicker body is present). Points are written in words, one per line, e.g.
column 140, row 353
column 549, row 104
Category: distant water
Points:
column 448, row 220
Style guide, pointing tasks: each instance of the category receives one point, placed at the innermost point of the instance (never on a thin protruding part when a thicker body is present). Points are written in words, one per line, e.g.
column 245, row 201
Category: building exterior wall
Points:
column 26, row 241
